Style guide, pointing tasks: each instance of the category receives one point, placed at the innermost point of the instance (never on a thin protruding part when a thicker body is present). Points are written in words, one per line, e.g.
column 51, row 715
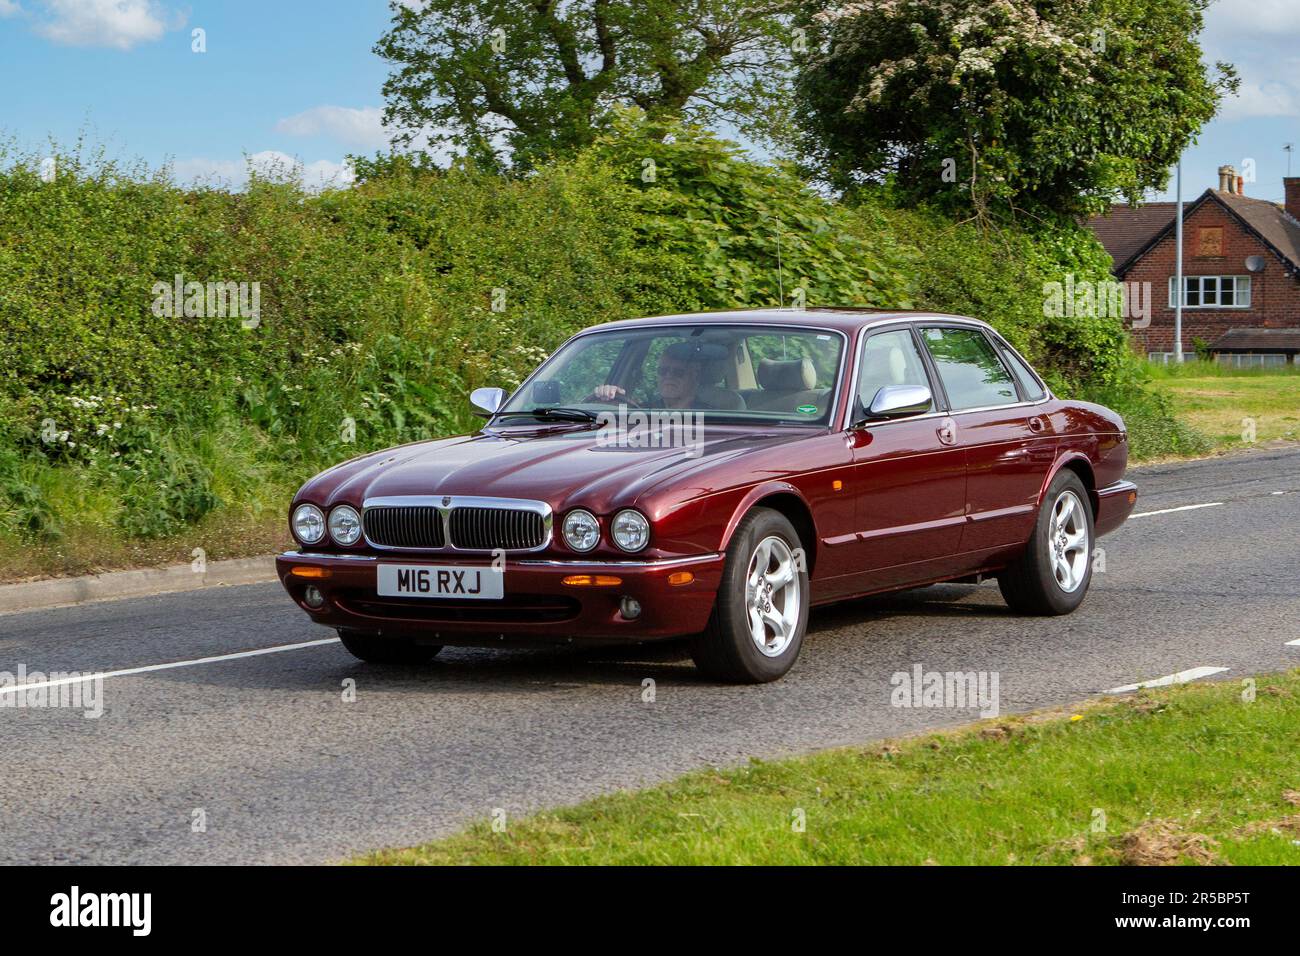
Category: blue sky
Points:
column 287, row 76
column 292, row 79
column 1262, row 38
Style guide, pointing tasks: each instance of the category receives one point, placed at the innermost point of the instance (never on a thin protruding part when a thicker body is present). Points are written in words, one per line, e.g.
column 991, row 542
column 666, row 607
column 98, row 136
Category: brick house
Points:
column 1241, row 271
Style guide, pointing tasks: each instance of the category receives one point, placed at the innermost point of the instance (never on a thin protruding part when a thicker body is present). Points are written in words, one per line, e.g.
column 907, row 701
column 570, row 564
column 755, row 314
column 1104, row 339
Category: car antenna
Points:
column 780, row 280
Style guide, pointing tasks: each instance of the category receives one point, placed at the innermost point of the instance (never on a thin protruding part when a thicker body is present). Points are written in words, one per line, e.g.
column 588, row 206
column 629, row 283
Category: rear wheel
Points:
column 761, row 612
column 387, row 650
column 1053, row 574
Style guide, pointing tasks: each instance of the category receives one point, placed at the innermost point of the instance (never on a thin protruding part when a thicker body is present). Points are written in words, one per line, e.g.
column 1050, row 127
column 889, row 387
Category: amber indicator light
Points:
column 310, row 572
column 592, row 581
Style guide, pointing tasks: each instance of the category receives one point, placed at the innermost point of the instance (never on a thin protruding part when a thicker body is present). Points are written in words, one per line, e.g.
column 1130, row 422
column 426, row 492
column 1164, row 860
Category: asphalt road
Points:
column 265, row 752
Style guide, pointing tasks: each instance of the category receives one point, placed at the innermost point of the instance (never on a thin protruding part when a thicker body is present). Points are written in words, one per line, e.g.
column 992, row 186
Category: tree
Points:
column 1045, row 106
column 510, row 82
column 746, row 233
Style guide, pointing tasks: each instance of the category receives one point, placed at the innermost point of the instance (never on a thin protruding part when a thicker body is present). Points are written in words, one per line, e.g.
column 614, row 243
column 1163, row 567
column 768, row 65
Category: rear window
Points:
column 971, row 372
column 1029, row 383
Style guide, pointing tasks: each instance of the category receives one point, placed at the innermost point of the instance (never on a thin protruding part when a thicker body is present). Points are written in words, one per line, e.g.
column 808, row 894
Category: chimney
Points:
column 1292, row 186
column 1241, row 185
column 1227, row 179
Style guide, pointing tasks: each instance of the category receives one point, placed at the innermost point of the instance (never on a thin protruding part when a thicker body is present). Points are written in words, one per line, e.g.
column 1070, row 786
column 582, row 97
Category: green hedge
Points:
column 382, row 305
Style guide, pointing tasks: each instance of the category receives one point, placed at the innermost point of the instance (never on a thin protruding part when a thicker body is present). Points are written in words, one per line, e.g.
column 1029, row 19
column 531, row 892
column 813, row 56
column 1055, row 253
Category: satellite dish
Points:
column 1254, row 263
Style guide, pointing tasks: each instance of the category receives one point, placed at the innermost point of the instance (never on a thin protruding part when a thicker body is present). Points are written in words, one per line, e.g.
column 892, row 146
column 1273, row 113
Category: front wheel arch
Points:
column 785, row 499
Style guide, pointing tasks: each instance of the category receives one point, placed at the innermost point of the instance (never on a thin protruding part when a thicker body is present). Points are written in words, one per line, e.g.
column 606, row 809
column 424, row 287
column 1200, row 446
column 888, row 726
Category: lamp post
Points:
column 1179, row 293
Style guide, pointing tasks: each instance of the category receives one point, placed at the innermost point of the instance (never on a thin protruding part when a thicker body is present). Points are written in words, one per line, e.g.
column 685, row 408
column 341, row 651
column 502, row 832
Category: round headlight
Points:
column 581, row 530
column 345, row 525
column 630, row 530
column 308, row 524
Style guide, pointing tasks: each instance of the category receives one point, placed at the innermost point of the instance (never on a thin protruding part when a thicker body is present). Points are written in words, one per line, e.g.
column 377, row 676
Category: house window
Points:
column 1251, row 359
column 1210, row 241
column 1213, row 292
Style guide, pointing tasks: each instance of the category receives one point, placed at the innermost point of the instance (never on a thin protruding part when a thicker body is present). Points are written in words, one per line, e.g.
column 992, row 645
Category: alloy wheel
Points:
column 772, row 596
column 1068, row 541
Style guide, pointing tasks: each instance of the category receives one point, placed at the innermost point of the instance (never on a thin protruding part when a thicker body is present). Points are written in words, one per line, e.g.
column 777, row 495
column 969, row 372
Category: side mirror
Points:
column 900, row 401
column 488, row 399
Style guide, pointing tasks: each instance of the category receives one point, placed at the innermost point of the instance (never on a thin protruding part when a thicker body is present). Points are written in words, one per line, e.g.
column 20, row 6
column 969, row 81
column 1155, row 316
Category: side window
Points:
column 970, row 370
column 890, row 358
column 1029, row 385
column 822, row 351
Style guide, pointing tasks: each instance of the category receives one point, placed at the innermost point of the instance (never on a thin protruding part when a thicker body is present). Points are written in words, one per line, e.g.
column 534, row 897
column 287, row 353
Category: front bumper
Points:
column 1114, row 504
column 538, row 607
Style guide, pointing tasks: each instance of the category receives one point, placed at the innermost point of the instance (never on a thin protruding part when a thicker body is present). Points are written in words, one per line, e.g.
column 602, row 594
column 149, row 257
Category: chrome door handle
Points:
column 947, row 431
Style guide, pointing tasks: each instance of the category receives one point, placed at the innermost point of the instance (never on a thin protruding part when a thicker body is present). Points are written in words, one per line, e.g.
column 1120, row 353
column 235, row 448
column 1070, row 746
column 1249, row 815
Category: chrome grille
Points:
column 485, row 529
column 456, row 523
column 406, row 526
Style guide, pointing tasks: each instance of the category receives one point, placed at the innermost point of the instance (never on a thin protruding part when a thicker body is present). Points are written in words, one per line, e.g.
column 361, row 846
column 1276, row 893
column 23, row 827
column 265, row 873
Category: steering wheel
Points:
column 622, row 398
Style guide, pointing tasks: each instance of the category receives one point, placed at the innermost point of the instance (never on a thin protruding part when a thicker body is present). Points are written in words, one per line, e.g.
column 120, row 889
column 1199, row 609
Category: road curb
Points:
column 116, row 585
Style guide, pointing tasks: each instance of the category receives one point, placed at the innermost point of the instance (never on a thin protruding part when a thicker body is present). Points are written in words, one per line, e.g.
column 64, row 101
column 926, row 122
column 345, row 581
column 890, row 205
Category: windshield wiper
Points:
column 554, row 413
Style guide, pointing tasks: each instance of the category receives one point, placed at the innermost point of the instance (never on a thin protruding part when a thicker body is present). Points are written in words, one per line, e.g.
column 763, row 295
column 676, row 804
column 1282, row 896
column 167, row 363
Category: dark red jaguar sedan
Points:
column 713, row 477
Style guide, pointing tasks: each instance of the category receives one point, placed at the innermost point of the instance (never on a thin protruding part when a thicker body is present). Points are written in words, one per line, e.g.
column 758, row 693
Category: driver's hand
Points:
column 607, row 393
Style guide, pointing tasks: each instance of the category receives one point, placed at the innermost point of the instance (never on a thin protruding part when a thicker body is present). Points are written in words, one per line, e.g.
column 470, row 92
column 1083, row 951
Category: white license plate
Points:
column 440, row 581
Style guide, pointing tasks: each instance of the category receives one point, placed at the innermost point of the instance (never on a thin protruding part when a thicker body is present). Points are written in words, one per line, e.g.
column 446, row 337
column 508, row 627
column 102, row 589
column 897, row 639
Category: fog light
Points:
column 313, row 597
column 630, row 608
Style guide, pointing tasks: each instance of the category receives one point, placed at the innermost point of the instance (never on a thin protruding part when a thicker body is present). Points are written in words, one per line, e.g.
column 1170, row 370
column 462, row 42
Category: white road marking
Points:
column 82, row 678
column 1181, row 677
column 1293, row 643
column 1168, row 511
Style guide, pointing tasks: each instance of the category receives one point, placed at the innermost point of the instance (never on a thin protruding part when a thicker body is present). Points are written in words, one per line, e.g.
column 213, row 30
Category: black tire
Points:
column 374, row 649
column 1031, row 584
column 727, row 651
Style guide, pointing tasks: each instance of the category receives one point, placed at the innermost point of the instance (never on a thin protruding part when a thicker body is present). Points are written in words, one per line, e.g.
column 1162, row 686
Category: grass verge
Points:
column 1194, row 774
column 90, row 548
column 1228, row 404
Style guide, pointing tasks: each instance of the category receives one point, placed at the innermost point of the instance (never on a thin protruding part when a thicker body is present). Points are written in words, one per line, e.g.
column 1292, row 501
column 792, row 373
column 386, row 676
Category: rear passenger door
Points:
column 1009, row 445
column 910, row 482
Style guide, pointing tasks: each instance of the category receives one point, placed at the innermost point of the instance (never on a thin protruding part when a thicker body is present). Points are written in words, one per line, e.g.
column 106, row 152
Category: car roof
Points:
column 842, row 319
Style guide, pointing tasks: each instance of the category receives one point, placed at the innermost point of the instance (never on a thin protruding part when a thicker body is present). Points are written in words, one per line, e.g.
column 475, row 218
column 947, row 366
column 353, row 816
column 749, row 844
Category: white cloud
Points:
column 1261, row 18
column 112, row 23
column 362, row 128
column 268, row 164
column 1259, row 40
column 324, row 174
column 359, row 128
column 1262, row 99
column 9, row 8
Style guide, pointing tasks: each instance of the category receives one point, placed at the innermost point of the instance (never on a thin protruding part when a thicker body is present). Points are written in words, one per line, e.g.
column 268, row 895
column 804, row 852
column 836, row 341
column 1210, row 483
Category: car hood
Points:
column 562, row 466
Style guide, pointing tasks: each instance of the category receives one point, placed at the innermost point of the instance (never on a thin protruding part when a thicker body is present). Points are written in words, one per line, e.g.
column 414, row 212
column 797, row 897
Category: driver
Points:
column 680, row 368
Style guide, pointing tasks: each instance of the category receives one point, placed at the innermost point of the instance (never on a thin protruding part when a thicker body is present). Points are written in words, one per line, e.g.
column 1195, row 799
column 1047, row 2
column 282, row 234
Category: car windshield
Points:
column 745, row 372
